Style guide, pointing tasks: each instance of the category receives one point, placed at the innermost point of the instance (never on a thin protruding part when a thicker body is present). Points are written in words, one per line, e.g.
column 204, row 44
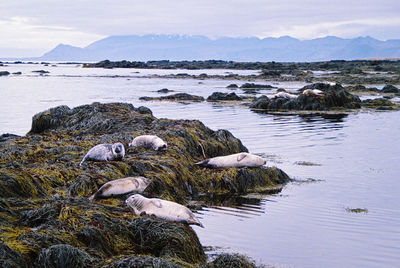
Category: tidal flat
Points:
column 350, row 153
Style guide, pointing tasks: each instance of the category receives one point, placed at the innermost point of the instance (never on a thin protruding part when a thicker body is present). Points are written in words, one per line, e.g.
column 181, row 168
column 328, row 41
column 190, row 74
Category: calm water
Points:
column 355, row 164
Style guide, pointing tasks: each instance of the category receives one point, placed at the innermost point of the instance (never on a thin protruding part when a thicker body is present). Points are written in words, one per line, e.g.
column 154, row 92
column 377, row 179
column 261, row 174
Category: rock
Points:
column 175, row 97
column 10, row 258
column 164, row 90
column 232, row 86
column 143, row 262
column 380, row 103
column 332, row 97
column 219, row 96
column 255, row 86
column 17, row 73
column 232, row 261
column 41, row 72
column 43, row 193
column 4, row 73
column 390, row 89
column 63, row 256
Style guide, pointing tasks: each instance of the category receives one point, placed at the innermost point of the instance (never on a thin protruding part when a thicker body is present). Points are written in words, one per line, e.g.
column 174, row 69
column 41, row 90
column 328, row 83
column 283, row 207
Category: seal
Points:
column 121, row 186
column 233, row 160
column 162, row 209
column 105, row 152
column 149, row 141
column 313, row 92
column 284, row 95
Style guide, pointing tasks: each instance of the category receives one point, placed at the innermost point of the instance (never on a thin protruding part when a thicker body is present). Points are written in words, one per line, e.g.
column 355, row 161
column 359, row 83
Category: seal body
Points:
column 121, row 186
column 233, row 160
column 149, row 141
column 284, row 95
column 105, row 152
column 313, row 92
column 163, row 209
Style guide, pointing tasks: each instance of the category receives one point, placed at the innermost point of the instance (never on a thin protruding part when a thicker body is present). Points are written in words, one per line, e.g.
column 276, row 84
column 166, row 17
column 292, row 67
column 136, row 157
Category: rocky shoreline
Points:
column 45, row 215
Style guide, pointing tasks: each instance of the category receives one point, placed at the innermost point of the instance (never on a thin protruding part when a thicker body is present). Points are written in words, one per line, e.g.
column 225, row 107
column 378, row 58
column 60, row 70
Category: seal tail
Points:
column 92, row 197
column 83, row 160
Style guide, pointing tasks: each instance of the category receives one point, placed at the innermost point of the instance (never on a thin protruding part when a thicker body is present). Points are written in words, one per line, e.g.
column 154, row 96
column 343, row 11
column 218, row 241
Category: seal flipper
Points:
column 241, row 157
column 205, row 163
column 157, row 203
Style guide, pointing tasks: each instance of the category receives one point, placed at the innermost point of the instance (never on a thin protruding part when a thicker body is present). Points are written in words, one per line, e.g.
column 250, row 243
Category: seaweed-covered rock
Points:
column 232, row 86
column 379, row 103
column 255, row 86
column 219, row 96
column 390, row 89
column 232, row 261
column 175, row 97
column 164, row 90
column 166, row 240
column 63, row 256
column 10, row 258
column 43, row 191
column 143, row 262
column 4, row 73
column 332, row 97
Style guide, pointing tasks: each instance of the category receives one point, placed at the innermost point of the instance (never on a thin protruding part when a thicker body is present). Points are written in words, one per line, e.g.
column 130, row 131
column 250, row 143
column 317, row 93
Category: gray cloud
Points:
column 81, row 22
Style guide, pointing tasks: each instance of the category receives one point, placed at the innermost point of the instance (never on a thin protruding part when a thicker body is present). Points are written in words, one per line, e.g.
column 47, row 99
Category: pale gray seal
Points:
column 313, row 92
column 233, row 160
column 163, row 209
column 121, row 186
column 284, row 95
column 149, row 141
column 105, row 152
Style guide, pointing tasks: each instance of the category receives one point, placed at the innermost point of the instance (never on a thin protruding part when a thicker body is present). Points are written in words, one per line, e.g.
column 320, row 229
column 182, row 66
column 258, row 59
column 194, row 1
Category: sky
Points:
column 29, row 28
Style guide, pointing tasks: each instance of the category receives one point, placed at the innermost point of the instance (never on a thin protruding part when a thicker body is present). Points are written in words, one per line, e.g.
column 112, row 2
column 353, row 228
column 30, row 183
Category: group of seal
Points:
column 160, row 208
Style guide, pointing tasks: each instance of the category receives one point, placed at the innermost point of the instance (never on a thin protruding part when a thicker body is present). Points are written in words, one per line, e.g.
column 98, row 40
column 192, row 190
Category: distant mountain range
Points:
column 177, row 47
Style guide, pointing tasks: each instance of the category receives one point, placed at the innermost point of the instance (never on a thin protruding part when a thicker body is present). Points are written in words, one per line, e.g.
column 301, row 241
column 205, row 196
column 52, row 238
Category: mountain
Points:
column 178, row 47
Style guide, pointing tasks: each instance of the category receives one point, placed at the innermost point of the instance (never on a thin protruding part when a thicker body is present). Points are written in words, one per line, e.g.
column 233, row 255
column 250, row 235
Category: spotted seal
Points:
column 121, row 186
column 105, row 152
column 313, row 92
column 163, row 209
column 149, row 141
column 284, row 95
column 233, row 160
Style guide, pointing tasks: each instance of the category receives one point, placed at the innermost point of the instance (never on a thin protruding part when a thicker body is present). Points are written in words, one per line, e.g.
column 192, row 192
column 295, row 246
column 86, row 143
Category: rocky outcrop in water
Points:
column 4, row 73
column 219, row 96
column 175, row 97
column 44, row 211
column 390, row 89
column 331, row 97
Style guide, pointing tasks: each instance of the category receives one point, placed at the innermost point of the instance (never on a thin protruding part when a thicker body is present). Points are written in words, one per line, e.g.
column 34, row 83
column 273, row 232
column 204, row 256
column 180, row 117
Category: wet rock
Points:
column 232, row 86
column 17, row 73
column 255, row 86
column 41, row 71
column 143, row 262
column 332, row 97
column 10, row 258
column 232, row 260
column 63, row 256
column 43, row 190
column 164, row 90
column 43, row 215
column 163, row 239
column 4, row 73
column 219, row 96
column 175, row 97
column 379, row 103
column 390, row 89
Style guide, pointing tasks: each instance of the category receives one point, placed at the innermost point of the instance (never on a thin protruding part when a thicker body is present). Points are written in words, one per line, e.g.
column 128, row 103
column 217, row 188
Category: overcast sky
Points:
column 33, row 27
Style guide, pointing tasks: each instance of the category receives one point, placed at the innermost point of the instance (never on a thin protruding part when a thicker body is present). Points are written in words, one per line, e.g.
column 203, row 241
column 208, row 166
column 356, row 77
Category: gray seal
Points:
column 233, row 160
column 105, row 152
column 162, row 209
column 149, row 141
column 121, row 186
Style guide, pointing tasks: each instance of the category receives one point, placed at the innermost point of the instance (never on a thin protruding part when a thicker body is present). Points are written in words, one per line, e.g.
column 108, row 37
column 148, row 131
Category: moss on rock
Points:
column 43, row 190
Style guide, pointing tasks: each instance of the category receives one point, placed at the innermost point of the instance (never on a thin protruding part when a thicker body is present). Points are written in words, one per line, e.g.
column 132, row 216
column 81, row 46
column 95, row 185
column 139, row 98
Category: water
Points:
column 353, row 163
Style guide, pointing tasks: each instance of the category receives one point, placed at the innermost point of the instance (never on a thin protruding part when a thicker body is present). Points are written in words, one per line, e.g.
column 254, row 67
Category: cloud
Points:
column 45, row 23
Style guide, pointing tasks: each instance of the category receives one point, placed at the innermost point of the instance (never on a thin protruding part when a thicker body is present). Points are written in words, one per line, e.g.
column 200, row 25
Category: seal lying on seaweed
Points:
column 163, row 209
column 233, row 160
column 105, row 152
